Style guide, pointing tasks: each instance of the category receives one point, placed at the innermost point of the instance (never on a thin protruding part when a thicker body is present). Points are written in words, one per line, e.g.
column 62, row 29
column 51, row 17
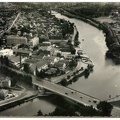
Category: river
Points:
column 101, row 83
column 30, row 108
column 105, row 79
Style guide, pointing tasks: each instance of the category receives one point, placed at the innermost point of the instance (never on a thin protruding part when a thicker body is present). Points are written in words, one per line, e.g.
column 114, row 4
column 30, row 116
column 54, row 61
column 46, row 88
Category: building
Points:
column 39, row 65
column 15, row 60
column 45, row 46
column 5, row 83
column 14, row 40
column 53, row 51
column 31, row 61
column 61, row 65
column 3, row 93
column 70, row 56
column 34, row 41
column 51, row 59
column 65, row 52
column 57, row 41
column 47, row 42
column 5, row 52
column 51, row 71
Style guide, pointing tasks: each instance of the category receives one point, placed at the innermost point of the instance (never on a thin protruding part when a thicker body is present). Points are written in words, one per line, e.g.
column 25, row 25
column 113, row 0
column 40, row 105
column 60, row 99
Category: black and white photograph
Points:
column 60, row 59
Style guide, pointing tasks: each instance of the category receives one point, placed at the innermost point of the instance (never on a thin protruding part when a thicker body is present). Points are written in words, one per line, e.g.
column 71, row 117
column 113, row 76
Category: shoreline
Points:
column 69, row 15
column 87, row 20
column 95, row 23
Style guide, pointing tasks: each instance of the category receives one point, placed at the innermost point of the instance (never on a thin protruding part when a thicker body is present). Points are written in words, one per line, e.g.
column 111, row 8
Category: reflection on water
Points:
column 30, row 108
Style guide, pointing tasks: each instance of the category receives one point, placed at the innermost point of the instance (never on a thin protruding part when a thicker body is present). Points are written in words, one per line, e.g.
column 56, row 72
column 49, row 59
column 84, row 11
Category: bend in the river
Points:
column 104, row 80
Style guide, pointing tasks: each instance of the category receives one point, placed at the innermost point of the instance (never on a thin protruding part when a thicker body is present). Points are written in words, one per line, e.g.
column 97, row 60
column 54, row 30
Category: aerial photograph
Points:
column 60, row 59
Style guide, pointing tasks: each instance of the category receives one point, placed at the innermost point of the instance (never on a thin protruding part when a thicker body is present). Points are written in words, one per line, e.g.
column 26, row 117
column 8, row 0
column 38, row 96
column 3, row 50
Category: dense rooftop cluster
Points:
column 43, row 42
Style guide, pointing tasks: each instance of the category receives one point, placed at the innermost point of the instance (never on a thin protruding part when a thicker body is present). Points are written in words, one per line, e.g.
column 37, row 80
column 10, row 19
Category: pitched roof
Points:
column 14, row 58
column 31, row 60
column 40, row 56
column 10, row 37
column 65, row 49
column 61, row 63
column 22, row 51
column 38, row 65
column 50, row 58
column 44, row 44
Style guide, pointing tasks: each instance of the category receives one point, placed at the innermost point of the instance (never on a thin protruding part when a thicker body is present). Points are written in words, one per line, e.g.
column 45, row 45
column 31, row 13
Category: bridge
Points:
column 77, row 96
column 72, row 94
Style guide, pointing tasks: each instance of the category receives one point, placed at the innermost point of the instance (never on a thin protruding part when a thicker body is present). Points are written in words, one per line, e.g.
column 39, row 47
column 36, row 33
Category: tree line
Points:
column 4, row 60
column 67, row 108
column 16, row 77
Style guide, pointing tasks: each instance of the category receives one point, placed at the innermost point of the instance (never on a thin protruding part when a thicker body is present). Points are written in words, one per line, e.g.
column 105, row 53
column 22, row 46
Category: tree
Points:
column 70, row 109
column 72, row 63
column 41, row 73
column 1, row 59
column 13, row 81
column 26, row 68
column 73, row 51
column 105, row 107
column 59, row 55
column 63, row 82
column 39, row 113
column 6, row 61
column 36, row 71
column 68, row 77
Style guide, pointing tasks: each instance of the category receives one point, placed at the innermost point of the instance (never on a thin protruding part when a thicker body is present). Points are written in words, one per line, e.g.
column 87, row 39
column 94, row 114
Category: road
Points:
column 22, row 94
column 14, row 22
column 59, row 78
column 66, row 92
column 11, row 25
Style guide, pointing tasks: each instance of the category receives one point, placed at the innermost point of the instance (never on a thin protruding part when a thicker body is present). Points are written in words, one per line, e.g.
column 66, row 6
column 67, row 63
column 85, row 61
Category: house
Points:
column 5, row 82
column 69, row 56
column 65, row 51
column 3, row 93
column 5, row 52
column 61, row 64
column 38, row 57
column 39, row 65
column 57, row 40
column 45, row 46
column 63, row 44
column 31, row 61
column 34, row 41
column 43, row 52
column 22, row 51
column 51, row 59
column 47, row 42
column 51, row 71
column 44, row 37
column 15, row 60
column 53, row 51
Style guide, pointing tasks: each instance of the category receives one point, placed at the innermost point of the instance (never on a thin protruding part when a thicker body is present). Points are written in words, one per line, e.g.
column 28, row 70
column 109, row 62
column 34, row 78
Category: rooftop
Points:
column 44, row 44
column 38, row 65
column 65, row 49
column 22, row 51
column 14, row 58
column 31, row 60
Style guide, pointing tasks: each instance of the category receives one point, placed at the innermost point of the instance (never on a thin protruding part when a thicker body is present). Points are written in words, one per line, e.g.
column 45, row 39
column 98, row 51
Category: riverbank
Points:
column 91, row 21
column 111, row 36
